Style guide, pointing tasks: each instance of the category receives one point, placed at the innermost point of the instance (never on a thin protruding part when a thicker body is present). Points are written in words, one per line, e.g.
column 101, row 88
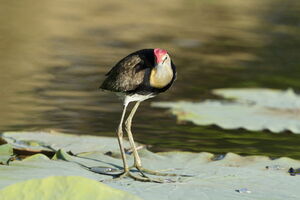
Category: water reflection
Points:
column 54, row 56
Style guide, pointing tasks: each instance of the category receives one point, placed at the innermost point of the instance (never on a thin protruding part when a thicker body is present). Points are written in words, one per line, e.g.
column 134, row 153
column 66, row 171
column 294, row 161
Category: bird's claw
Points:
column 144, row 171
column 138, row 178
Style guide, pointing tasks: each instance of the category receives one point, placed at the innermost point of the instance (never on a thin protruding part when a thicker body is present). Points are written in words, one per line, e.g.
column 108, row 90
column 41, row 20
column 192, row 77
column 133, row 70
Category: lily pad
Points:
column 34, row 157
column 6, row 151
column 251, row 109
column 63, row 188
column 55, row 141
column 210, row 178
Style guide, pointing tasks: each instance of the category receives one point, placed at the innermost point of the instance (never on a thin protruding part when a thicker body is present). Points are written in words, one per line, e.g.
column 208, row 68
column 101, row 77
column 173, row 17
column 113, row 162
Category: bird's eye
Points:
column 165, row 58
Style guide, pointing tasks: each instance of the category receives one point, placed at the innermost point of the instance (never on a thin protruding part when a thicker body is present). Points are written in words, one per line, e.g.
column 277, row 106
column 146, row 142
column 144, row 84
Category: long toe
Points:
column 147, row 179
column 139, row 178
column 156, row 173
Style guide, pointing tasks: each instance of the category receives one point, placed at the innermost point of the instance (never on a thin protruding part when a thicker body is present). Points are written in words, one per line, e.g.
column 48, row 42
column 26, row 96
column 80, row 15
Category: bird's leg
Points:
column 120, row 140
column 137, row 160
column 126, row 171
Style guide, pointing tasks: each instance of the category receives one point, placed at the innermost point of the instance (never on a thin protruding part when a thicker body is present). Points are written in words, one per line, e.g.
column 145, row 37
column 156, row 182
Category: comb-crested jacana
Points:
column 137, row 77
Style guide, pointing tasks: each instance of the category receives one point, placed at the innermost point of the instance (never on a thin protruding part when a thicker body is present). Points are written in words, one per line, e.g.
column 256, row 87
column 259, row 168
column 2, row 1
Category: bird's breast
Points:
column 161, row 77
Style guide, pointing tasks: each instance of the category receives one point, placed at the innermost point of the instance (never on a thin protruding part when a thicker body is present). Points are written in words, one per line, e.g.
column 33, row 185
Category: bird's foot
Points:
column 126, row 174
column 144, row 171
column 142, row 178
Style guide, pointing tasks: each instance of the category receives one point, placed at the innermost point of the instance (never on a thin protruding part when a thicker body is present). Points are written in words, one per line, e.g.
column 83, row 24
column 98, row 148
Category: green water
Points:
column 54, row 55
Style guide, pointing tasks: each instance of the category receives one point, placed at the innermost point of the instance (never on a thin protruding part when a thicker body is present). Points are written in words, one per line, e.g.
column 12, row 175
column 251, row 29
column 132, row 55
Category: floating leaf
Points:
column 270, row 98
column 6, row 151
column 35, row 157
column 62, row 155
column 25, row 148
column 63, row 188
column 252, row 109
column 211, row 178
column 2, row 141
column 55, row 141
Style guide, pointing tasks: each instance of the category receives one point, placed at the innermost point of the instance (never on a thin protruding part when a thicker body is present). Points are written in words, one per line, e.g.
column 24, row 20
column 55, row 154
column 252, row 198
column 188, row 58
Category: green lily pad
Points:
column 225, row 178
column 62, row 155
column 251, row 109
column 63, row 188
column 56, row 141
column 34, row 157
column 6, row 151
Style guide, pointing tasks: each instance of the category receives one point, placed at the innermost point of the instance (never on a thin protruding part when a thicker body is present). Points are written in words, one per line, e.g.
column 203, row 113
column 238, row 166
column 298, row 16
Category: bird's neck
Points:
column 161, row 76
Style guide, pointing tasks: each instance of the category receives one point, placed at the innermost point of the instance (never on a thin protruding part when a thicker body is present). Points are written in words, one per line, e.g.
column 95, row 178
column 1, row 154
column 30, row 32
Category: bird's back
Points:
column 131, row 74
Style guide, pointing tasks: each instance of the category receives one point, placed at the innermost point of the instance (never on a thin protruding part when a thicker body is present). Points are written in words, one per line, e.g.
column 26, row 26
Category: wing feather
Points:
column 126, row 75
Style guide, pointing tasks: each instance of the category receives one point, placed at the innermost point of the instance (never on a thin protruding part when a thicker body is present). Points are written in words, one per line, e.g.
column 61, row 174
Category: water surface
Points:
column 54, row 55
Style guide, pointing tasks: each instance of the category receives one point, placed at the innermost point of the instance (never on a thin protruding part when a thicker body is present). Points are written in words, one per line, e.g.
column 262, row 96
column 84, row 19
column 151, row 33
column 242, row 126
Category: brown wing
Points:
column 127, row 75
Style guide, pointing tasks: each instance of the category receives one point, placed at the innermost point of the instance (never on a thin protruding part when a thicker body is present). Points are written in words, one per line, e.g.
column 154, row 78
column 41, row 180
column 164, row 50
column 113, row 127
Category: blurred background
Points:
column 54, row 54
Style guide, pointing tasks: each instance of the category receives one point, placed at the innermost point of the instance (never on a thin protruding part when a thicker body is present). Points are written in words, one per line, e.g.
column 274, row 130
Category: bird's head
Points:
column 162, row 73
column 161, row 57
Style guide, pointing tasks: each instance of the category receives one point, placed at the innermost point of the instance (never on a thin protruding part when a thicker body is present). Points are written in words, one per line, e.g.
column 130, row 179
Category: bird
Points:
column 137, row 77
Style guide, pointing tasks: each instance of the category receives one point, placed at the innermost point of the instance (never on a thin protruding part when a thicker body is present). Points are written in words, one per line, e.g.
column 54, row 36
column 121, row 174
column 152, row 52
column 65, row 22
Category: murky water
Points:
column 54, row 54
